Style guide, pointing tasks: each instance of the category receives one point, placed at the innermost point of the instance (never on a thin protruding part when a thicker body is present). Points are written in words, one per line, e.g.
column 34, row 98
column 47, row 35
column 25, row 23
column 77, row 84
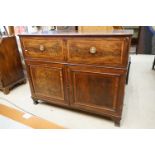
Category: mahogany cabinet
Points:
column 11, row 71
column 83, row 71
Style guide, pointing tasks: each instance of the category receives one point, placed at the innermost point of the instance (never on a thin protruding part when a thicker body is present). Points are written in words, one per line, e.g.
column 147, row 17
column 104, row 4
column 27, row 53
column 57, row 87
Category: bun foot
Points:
column 6, row 91
column 24, row 81
column 35, row 101
column 117, row 122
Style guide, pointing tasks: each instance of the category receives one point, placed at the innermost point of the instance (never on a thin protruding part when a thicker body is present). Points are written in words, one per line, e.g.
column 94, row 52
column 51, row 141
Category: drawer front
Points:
column 43, row 47
column 104, row 51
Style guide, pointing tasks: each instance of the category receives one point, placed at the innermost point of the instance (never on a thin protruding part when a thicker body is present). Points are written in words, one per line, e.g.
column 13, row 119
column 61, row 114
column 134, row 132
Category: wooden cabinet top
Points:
column 76, row 33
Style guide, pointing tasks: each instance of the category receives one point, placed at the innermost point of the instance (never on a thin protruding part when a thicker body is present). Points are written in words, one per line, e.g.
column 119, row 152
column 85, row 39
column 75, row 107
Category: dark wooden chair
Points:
column 153, row 64
column 146, row 40
column 128, row 71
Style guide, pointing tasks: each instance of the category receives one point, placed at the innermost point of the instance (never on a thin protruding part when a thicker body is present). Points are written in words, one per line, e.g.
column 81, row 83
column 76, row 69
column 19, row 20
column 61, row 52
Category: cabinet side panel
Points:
column 11, row 66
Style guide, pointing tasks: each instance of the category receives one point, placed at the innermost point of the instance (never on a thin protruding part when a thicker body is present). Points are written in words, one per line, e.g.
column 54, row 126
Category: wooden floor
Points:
column 32, row 121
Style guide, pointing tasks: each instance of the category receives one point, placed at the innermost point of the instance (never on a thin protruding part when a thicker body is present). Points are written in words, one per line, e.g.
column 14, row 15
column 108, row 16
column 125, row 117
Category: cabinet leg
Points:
column 117, row 122
column 35, row 101
column 6, row 90
column 24, row 81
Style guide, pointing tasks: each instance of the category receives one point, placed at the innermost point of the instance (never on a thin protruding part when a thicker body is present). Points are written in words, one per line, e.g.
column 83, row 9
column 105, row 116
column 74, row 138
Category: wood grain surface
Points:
column 34, row 121
column 89, row 76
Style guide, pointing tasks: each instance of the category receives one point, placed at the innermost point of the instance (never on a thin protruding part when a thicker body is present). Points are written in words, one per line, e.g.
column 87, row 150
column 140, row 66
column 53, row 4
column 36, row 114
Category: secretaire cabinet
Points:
column 83, row 71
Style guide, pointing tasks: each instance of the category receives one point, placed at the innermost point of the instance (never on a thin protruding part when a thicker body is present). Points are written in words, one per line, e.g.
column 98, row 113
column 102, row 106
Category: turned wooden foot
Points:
column 6, row 91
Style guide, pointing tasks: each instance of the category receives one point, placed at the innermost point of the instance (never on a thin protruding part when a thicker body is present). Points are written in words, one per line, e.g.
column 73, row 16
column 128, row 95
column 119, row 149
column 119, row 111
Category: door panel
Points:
column 48, row 82
column 96, row 89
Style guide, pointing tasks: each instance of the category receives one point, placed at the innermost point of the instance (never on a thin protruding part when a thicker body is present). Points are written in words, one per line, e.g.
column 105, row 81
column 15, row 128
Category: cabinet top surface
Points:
column 76, row 33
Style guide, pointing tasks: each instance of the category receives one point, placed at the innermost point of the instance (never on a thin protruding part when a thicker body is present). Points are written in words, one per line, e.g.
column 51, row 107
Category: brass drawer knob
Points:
column 41, row 47
column 92, row 50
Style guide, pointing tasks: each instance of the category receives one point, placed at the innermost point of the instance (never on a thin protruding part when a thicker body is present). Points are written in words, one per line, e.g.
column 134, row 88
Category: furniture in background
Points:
column 135, row 36
column 153, row 46
column 11, row 30
column 98, row 28
column 128, row 70
column 66, row 28
column 153, row 64
column 11, row 71
column 82, row 71
column 146, row 43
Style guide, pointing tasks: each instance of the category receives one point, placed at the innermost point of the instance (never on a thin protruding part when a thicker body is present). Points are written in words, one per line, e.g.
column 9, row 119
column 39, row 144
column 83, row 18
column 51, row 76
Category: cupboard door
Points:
column 48, row 82
column 98, row 90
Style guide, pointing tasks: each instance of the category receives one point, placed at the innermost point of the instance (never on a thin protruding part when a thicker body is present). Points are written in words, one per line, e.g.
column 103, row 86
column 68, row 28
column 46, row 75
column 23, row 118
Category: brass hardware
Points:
column 26, row 50
column 92, row 50
column 42, row 48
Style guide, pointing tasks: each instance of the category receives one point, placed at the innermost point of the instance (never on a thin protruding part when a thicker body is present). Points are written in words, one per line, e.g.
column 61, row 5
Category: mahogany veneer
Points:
column 11, row 70
column 83, row 71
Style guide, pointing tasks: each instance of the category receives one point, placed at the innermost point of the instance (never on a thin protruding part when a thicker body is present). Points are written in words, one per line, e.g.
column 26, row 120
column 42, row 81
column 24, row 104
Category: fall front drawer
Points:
column 102, row 51
column 40, row 47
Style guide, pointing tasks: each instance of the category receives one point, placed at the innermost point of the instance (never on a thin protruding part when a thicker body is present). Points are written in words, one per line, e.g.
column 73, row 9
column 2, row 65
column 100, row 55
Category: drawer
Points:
column 102, row 51
column 43, row 47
